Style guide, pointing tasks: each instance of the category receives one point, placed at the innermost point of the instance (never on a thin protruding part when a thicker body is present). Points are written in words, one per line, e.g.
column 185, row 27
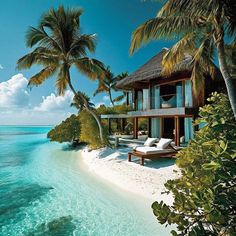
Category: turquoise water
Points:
column 46, row 190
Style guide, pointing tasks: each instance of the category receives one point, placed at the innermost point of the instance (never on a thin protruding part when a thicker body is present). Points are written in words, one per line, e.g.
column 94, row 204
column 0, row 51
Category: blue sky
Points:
column 113, row 21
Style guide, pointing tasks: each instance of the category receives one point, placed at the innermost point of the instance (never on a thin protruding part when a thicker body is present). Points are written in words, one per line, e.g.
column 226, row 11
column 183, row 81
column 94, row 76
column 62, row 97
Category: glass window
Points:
column 179, row 94
column 188, row 129
column 155, row 128
column 155, row 97
column 140, row 101
column 188, row 93
column 145, row 99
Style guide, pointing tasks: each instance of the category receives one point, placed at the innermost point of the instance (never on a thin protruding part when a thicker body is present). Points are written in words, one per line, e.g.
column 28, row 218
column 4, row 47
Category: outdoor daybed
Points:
column 152, row 152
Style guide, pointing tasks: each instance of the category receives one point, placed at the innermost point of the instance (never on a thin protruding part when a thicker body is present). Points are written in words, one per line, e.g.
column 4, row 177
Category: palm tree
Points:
column 59, row 45
column 107, row 83
column 201, row 28
column 79, row 104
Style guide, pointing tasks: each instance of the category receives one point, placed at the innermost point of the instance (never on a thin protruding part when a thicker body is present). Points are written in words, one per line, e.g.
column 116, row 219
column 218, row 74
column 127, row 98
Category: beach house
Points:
column 168, row 102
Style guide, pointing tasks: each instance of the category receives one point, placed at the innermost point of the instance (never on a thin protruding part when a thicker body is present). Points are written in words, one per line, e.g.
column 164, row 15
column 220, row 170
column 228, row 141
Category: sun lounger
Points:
column 151, row 153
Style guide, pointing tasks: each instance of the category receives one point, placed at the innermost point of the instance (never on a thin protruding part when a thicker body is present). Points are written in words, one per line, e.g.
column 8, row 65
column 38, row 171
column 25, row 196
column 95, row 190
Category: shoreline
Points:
column 146, row 181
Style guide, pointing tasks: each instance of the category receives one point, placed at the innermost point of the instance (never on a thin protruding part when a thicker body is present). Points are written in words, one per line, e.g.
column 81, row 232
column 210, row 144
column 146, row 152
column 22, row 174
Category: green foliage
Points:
column 58, row 44
column 118, row 109
column 67, row 131
column 143, row 124
column 89, row 131
column 205, row 196
column 198, row 27
column 81, row 101
column 107, row 83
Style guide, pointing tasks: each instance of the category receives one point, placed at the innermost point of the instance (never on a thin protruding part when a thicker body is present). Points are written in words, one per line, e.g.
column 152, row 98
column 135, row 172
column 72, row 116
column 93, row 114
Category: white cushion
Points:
column 152, row 150
column 150, row 141
column 163, row 143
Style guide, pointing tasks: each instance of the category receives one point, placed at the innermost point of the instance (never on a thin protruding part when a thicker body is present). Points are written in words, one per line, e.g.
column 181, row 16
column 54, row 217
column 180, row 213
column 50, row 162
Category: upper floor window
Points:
column 188, row 93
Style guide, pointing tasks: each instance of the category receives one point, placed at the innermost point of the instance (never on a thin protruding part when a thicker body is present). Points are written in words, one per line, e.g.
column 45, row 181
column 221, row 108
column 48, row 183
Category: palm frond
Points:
column 92, row 68
column 177, row 53
column 80, row 100
column 63, row 25
column 230, row 52
column 119, row 98
column 158, row 28
column 229, row 7
column 188, row 8
column 40, row 55
column 118, row 78
column 40, row 77
column 39, row 36
column 204, row 56
column 101, row 88
column 83, row 43
column 198, row 81
column 62, row 79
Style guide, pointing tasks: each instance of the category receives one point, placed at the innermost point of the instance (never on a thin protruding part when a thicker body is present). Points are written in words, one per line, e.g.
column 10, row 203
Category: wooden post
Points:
column 109, row 126
column 129, row 157
column 136, row 127
column 162, row 126
column 116, row 142
column 149, row 127
column 149, row 97
column 142, row 161
column 127, row 98
column 122, row 124
column 183, row 93
column 177, row 131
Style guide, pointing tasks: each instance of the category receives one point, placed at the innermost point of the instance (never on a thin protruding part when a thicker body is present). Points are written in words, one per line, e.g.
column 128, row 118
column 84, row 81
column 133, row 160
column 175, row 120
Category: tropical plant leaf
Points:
column 40, row 77
column 90, row 67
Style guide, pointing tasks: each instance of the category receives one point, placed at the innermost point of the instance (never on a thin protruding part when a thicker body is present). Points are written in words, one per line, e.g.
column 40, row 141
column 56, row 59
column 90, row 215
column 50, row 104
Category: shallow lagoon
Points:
column 46, row 190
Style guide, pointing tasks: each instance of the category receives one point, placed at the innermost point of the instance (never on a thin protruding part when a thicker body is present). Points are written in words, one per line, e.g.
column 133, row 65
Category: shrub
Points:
column 89, row 131
column 205, row 196
column 67, row 131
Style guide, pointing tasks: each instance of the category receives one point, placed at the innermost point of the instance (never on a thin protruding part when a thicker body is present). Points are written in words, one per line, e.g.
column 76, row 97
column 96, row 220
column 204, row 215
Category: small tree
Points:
column 107, row 83
column 67, row 131
column 89, row 131
column 205, row 196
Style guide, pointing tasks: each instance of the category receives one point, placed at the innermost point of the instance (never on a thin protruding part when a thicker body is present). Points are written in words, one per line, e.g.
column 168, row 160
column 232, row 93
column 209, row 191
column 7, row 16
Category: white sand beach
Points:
column 147, row 181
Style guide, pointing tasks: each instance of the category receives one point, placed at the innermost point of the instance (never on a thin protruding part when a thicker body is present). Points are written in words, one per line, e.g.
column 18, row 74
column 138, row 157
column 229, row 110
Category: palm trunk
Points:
column 112, row 102
column 98, row 122
column 88, row 109
column 230, row 82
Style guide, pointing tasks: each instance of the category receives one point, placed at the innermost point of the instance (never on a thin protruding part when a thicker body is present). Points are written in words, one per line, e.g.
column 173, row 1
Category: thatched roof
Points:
column 151, row 70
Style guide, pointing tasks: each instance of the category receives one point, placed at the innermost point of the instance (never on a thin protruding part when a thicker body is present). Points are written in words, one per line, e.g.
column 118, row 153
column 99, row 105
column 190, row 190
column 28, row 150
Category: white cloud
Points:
column 13, row 92
column 55, row 103
column 1, row 67
column 15, row 108
column 106, row 98
column 97, row 105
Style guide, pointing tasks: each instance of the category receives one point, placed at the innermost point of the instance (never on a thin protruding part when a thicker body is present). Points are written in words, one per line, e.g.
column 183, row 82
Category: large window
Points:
column 188, row 93
column 155, row 97
column 130, row 99
column 145, row 99
column 140, row 100
column 179, row 94
column 155, row 127
column 168, row 95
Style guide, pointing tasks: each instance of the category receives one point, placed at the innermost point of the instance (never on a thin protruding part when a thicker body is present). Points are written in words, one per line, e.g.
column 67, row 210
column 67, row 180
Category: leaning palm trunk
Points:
column 112, row 102
column 98, row 122
column 230, row 82
column 87, row 109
